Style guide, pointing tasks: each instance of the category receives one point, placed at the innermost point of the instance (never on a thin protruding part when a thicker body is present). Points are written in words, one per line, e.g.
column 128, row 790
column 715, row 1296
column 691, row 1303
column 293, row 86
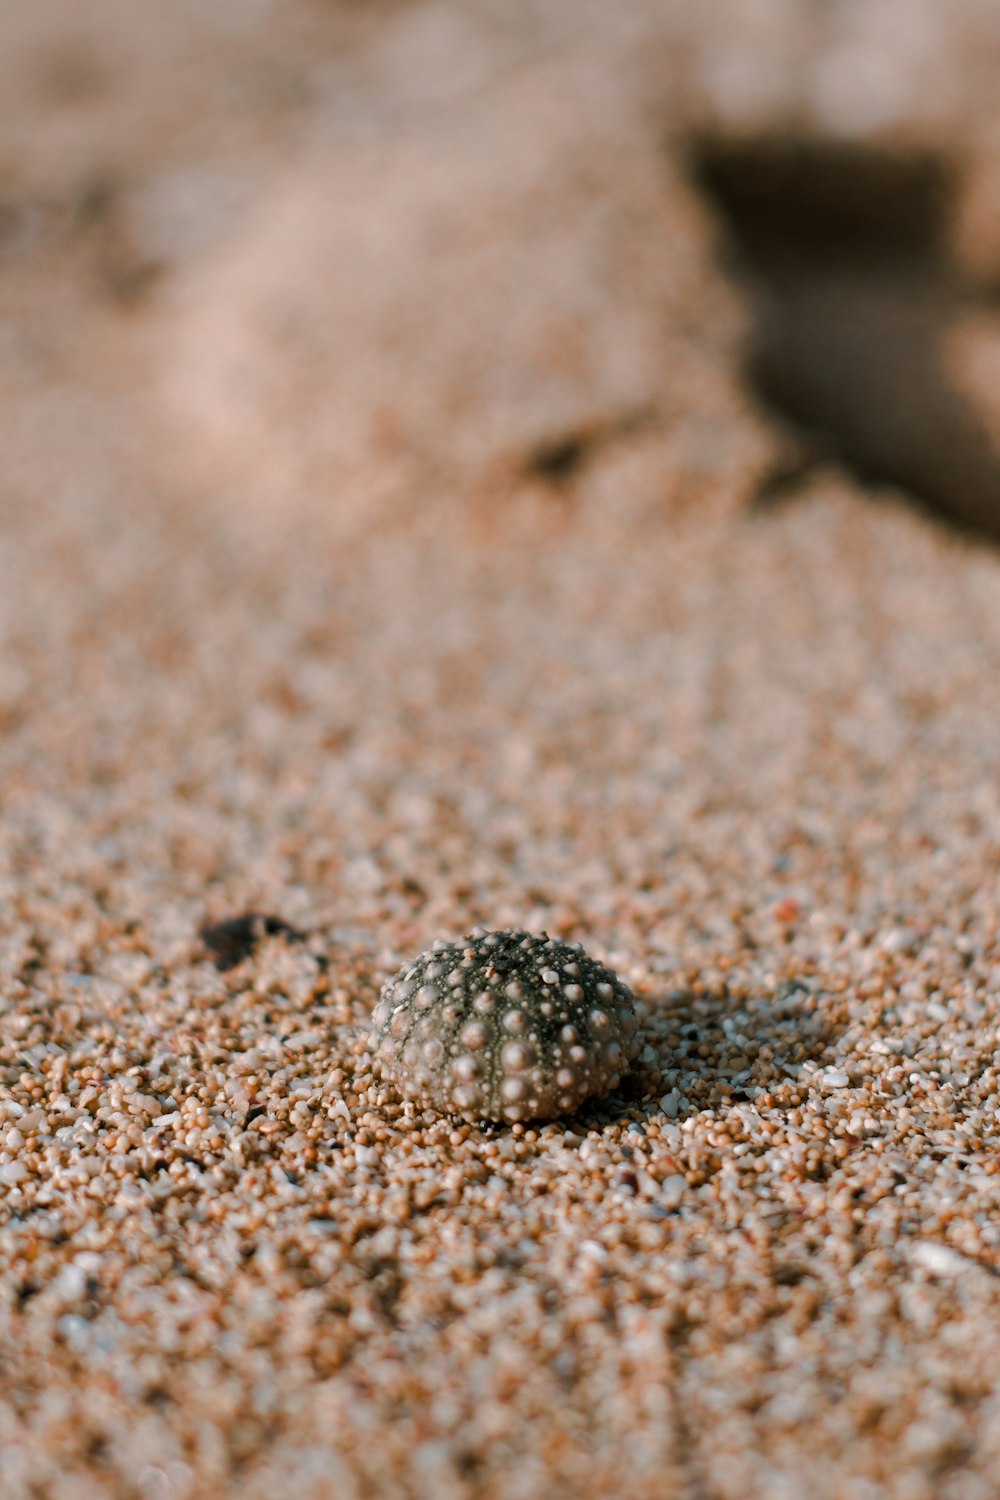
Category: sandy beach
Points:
column 389, row 545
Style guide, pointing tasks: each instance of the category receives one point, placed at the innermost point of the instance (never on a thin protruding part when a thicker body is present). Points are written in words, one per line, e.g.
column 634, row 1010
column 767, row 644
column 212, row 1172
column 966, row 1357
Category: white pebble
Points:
column 673, row 1190
column 593, row 1250
column 71, row 1283
column 940, row 1260
column 898, row 940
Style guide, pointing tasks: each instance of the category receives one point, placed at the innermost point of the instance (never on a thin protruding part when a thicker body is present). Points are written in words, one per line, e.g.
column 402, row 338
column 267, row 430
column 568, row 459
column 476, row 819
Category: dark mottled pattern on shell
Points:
column 505, row 1026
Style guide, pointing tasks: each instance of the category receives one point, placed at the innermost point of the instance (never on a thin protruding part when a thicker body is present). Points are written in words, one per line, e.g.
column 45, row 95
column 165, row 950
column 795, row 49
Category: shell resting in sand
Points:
column 505, row 1026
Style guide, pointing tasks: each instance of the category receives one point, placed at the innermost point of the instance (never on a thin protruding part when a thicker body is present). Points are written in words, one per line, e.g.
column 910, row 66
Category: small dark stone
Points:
column 558, row 461
column 233, row 940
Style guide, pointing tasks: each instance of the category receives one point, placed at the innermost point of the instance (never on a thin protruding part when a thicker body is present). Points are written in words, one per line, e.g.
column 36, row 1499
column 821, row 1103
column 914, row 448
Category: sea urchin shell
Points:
column 505, row 1026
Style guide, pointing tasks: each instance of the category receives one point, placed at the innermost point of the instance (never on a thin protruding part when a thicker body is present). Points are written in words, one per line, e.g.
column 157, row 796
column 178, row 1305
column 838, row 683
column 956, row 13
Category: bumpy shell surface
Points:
column 505, row 1026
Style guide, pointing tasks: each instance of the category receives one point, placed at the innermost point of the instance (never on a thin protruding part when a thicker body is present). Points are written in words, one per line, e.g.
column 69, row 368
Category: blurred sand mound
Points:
column 508, row 283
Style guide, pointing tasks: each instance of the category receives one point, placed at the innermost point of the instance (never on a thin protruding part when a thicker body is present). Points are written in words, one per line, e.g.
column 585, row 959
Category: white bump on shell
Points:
column 514, row 1056
column 474, row 1034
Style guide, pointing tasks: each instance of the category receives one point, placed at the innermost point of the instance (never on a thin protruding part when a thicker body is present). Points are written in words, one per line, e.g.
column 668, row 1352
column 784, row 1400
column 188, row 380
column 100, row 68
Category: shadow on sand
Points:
column 711, row 1049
